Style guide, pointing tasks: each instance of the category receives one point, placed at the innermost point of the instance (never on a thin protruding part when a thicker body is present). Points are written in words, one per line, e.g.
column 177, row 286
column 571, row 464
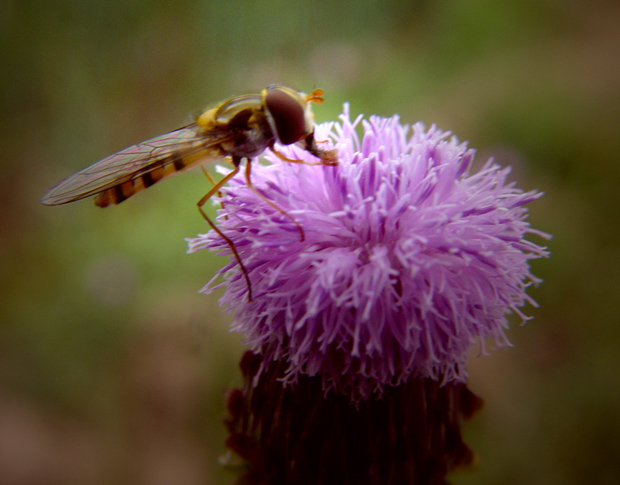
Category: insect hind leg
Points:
column 213, row 184
column 215, row 189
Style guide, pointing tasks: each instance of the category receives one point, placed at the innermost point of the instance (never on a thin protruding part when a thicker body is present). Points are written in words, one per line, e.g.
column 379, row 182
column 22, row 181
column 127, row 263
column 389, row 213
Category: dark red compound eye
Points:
column 288, row 115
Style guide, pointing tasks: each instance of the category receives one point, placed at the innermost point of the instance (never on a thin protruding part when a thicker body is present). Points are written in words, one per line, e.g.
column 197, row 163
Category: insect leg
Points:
column 328, row 157
column 213, row 183
column 248, row 168
column 215, row 189
column 211, row 179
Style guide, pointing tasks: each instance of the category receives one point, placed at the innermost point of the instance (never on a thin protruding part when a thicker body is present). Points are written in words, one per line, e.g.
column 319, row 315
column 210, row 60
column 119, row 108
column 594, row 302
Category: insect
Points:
column 240, row 128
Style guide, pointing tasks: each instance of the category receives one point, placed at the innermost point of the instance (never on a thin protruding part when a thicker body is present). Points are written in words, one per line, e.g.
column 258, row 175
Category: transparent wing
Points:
column 162, row 155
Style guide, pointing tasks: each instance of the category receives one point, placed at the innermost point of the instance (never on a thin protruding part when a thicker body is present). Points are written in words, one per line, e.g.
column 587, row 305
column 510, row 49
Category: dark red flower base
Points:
column 295, row 435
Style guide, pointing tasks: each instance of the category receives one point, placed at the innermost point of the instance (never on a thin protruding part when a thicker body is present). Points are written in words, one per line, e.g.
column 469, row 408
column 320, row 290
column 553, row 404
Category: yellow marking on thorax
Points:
column 206, row 120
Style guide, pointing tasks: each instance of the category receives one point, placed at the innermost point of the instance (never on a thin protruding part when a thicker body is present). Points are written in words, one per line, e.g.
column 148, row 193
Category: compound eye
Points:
column 287, row 110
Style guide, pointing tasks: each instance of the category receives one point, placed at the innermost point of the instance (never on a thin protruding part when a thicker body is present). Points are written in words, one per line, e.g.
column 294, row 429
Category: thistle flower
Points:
column 408, row 258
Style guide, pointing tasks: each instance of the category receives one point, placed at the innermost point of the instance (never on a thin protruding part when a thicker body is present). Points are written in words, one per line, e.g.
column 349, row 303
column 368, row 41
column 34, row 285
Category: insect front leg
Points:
column 327, row 157
column 215, row 189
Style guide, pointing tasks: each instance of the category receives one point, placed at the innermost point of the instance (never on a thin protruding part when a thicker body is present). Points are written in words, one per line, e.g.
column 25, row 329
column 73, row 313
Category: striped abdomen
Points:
column 159, row 170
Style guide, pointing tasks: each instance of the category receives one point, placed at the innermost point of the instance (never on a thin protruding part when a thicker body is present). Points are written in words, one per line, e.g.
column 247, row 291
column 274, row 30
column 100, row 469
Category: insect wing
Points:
column 174, row 151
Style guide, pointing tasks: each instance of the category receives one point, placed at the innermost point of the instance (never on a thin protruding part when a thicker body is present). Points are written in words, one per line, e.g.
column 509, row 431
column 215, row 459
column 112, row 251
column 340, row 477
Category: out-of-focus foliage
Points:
column 112, row 366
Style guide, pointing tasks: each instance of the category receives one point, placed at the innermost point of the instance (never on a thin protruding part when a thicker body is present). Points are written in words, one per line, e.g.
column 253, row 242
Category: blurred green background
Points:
column 113, row 367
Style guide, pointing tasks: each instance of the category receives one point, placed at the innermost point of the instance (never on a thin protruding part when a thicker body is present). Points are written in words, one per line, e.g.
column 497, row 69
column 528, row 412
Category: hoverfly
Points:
column 240, row 128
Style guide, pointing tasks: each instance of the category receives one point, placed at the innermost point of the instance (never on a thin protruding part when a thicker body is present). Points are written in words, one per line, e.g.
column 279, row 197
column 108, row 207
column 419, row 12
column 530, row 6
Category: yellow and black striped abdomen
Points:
column 161, row 169
column 123, row 174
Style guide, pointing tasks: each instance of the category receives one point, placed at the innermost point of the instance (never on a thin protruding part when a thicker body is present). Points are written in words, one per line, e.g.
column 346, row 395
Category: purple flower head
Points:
column 408, row 259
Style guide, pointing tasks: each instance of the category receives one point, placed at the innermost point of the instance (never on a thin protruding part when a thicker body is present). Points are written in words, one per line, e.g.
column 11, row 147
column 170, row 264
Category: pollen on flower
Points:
column 408, row 259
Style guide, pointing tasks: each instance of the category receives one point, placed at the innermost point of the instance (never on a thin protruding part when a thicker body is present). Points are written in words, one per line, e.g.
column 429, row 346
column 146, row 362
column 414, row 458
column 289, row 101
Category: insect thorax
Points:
column 250, row 133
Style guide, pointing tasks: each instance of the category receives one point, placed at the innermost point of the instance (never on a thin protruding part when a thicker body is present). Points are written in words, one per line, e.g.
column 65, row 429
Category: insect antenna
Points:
column 315, row 96
column 215, row 189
